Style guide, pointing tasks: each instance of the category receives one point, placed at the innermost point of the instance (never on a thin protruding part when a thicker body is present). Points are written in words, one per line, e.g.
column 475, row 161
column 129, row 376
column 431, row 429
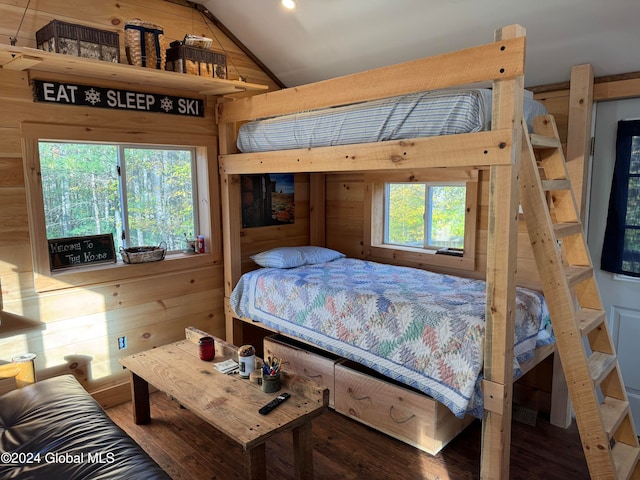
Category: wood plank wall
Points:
column 75, row 330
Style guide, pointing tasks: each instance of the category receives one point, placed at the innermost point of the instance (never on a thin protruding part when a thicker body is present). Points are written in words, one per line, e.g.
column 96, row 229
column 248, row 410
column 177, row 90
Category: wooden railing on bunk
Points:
column 502, row 64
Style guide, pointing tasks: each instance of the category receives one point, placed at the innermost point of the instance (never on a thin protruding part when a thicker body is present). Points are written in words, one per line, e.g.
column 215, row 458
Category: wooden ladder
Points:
column 579, row 322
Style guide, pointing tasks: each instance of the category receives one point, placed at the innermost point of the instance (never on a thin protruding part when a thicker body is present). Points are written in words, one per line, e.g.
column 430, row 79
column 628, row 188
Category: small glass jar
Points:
column 207, row 348
column 246, row 360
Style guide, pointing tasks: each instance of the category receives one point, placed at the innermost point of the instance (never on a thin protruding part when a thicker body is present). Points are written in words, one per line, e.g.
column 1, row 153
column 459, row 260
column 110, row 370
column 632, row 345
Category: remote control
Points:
column 274, row 403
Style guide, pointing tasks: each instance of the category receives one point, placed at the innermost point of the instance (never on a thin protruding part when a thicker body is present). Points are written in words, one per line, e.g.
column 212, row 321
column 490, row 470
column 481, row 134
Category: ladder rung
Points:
column 625, row 457
column 613, row 412
column 576, row 274
column 559, row 184
column 587, row 319
column 566, row 229
column 600, row 365
column 542, row 141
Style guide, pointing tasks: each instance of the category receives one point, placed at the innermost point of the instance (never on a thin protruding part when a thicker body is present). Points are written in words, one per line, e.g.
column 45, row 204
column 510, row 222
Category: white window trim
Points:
column 44, row 278
column 376, row 249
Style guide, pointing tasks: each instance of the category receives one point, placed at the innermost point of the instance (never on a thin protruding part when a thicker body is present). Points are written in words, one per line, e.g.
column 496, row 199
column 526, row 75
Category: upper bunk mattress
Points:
column 422, row 114
column 420, row 328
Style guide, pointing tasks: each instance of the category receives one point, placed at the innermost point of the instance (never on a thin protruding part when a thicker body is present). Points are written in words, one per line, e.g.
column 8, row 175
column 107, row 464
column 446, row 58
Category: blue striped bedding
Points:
column 422, row 114
column 420, row 328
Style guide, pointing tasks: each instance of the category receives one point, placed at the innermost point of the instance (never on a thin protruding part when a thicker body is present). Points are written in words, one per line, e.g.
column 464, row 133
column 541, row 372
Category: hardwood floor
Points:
column 188, row 448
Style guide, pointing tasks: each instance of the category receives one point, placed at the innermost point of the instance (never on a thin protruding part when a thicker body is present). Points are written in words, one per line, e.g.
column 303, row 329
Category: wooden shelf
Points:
column 24, row 58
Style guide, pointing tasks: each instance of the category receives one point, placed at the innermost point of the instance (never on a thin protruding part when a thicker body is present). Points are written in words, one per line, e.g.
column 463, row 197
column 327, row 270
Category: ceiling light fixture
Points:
column 289, row 4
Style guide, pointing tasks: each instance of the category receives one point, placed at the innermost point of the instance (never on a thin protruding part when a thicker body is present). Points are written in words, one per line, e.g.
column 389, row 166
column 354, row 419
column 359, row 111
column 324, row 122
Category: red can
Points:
column 207, row 348
column 200, row 244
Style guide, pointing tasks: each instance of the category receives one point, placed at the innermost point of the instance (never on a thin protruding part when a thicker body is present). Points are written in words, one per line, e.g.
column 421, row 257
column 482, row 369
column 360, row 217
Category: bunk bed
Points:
column 498, row 149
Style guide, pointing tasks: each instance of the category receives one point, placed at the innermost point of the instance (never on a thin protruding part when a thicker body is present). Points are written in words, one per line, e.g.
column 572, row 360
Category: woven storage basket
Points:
column 197, row 61
column 143, row 254
column 144, row 44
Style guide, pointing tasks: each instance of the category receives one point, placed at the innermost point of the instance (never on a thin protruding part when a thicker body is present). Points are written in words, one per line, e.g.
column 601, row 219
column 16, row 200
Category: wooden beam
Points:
column 232, row 247
column 502, row 59
column 616, row 90
column 462, row 150
column 603, row 86
column 579, row 132
column 508, row 99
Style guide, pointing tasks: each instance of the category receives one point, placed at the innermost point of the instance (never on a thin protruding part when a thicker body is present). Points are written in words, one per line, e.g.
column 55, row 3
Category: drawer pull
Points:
column 307, row 374
column 357, row 398
column 399, row 421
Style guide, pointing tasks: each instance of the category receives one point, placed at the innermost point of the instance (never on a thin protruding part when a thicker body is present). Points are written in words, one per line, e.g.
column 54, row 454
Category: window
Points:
column 425, row 215
column 143, row 195
column 151, row 186
column 422, row 218
column 621, row 247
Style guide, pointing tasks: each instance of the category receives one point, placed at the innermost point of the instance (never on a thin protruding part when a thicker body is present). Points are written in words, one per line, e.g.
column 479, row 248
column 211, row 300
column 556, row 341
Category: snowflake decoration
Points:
column 166, row 104
column 92, row 96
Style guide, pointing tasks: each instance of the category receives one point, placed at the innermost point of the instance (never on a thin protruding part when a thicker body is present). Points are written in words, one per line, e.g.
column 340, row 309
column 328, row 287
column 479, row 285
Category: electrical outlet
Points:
column 122, row 343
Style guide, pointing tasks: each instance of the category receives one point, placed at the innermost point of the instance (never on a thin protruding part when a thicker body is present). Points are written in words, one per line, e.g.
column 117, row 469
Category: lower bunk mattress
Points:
column 421, row 114
column 420, row 328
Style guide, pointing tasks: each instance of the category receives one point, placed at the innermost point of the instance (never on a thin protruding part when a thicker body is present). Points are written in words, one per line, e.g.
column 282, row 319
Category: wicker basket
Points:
column 197, row 61
column 143, row 254
column 144, row 44
column 78, row 40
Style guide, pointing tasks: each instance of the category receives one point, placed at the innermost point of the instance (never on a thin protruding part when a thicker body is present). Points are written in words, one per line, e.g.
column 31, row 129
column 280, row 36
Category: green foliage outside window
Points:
column 82, row 193
column 418, row 211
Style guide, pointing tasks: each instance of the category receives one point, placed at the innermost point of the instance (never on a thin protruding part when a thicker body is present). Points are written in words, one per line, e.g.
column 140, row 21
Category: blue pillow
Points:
column 289, row 257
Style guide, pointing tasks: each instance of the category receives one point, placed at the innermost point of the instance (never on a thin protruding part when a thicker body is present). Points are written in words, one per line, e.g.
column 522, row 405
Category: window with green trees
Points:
column 424, row 215
column 143, row 195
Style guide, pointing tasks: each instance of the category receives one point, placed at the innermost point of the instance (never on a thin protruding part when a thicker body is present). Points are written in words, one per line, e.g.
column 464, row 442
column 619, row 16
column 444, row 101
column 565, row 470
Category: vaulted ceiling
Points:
column 328, row 38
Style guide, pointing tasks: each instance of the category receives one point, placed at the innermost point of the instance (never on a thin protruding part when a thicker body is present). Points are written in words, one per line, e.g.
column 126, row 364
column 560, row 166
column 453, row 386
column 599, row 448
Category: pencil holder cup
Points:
column 271, row 383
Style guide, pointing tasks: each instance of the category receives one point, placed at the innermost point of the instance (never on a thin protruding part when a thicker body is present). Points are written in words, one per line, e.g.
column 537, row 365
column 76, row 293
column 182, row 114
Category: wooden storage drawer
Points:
column 404, row 414
column 304, row 360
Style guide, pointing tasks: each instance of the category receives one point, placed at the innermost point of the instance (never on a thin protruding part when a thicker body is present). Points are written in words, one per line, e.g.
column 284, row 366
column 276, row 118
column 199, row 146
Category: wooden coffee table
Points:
column 227, row 402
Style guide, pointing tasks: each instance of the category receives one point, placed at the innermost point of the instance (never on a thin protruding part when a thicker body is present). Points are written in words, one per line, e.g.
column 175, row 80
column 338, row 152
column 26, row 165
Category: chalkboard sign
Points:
column 77, row 251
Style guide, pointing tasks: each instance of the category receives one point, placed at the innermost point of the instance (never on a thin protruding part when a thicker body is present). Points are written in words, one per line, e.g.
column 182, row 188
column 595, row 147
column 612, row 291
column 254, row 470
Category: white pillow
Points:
column 289, row 257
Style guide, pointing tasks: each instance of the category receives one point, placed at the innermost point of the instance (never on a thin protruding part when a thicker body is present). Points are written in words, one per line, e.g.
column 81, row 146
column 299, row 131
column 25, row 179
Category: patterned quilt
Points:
column 420, row 328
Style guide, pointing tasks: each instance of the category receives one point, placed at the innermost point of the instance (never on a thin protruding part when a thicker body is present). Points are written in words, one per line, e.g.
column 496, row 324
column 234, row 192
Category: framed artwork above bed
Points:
column 267, row 199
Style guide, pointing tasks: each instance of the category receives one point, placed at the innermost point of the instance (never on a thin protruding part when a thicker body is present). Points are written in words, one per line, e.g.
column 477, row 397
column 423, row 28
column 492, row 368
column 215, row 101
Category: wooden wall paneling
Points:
column 60, row 333
column 317, row 209
column 557, row 104
column 149, row 303
column 13, row 228
column 345, row 213
column 10, row 157
column 78, row 306
column 15, row 87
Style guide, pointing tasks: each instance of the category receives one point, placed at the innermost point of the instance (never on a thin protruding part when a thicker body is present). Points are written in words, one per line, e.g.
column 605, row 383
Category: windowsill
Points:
column 108, row 272
column 419, row 257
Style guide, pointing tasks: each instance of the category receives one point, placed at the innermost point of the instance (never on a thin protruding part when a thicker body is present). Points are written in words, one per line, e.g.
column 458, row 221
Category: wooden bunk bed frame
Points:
column 498, row 150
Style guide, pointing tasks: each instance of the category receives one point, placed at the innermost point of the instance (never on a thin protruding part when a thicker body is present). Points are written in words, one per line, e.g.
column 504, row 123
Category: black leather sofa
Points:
column 54, row 429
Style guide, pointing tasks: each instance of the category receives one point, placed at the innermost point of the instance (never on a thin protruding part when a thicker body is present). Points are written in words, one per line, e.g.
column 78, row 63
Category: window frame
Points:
column 207, row 187
column 120, row 164
column 614, row 249
column 428, row 209
column 374, row 205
